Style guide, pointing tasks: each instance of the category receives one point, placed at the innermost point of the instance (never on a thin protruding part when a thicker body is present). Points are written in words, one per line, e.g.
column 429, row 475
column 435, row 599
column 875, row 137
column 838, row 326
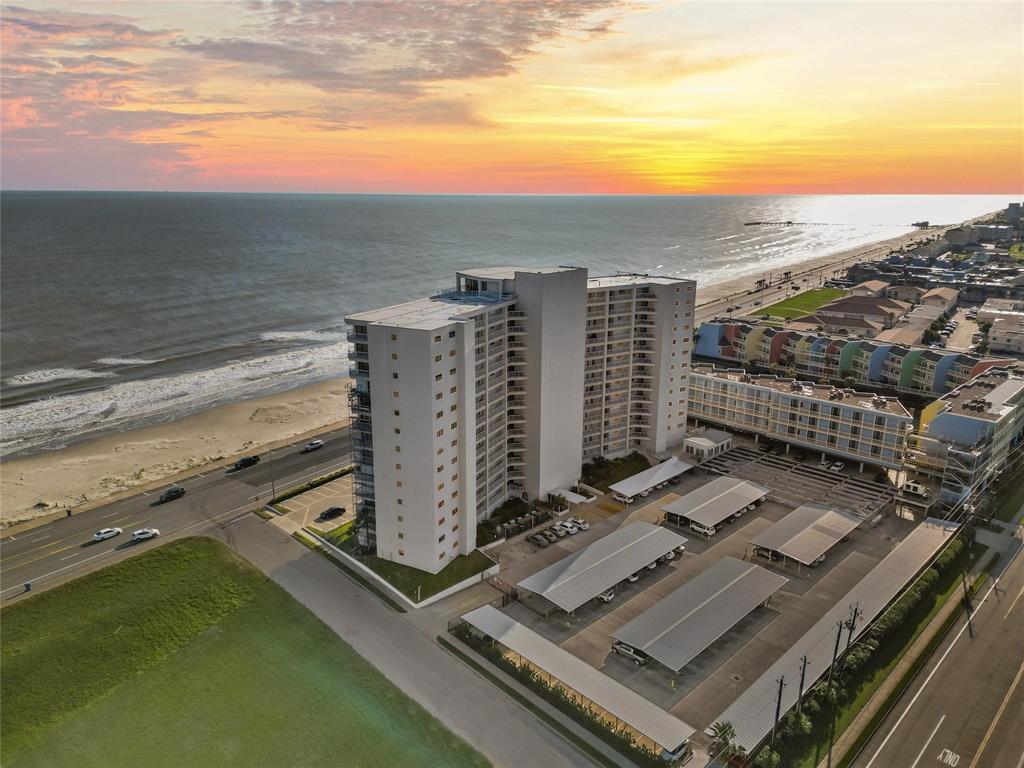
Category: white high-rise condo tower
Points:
column 503, row 387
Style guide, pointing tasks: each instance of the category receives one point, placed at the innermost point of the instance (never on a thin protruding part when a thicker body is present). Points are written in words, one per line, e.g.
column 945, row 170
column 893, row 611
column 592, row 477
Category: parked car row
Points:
column 831, row 466
column 710, row 530
column 608, row 595
column 630, row 499
column 559, row 530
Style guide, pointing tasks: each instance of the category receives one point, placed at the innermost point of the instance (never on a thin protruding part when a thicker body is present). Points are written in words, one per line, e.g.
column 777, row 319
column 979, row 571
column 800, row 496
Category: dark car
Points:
column 175, row 492
column 331, row 512
column 245, row 461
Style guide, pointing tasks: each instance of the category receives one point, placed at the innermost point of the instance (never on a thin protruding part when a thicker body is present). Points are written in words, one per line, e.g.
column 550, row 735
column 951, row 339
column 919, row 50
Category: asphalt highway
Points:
column 64, row 549
column 966, row 707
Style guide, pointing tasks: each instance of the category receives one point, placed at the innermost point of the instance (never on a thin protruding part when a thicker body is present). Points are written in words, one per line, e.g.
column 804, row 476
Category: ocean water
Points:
column 120, row 309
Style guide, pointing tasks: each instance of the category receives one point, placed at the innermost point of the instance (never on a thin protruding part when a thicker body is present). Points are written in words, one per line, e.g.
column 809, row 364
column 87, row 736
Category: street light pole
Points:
column 273, row 484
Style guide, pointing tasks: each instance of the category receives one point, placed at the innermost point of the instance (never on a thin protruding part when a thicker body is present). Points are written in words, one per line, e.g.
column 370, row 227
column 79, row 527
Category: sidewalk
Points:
column 910, row 656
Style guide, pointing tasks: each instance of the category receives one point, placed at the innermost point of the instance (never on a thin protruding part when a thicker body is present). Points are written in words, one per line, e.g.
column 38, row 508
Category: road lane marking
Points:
column 999, row 714
column 73, row 554
column 41, row 557
column 935, row 669
column 40, row 538
column 1013, row 603
column 242, row 511
column 929, row 741
column 110, row 514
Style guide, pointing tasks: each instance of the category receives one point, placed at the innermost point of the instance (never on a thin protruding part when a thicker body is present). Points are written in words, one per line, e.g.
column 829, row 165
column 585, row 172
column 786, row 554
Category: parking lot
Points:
column 796, row 482
column 708, row 684
column 306, row 507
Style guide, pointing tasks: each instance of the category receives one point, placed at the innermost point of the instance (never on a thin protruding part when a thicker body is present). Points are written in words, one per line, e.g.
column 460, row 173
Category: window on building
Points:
column 437, row 339
column 398, row 449
column 452, row 390
column 398, row 501
column 398, row 431
column 451, row 371
column 394, row 337
column 395, row 393
column 394, row 355
column 451, row 334
column 441, row 521
column 437, row 377
column 394, row 374
column 440, row 538
column 396, row 413
column 440, row 503
column 454, row 425
column 440, row 433
column 439, row 395
column 401, row 553
column 451, row 353
column 398, row 466
column 440, row 468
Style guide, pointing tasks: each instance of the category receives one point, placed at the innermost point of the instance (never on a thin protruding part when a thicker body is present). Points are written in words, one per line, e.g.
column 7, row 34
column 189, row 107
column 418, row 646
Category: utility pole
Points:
column 851, row 623
column 800, row 692
column 778, row 710
column 832, row 719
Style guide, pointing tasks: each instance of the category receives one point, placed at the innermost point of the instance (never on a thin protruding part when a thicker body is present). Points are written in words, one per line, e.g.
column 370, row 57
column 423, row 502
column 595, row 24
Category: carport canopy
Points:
column 649, row 478
column 808, row 532
column 585, row 574
column 619, row 702
column 570, row 496
column 714, row 502
column 677, row 629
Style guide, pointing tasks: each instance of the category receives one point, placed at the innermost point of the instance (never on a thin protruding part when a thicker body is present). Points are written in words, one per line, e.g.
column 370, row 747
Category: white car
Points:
column 837, row 467
column 145, row 533
column 580, row 523
column 633, row 578
column 313, row 445
column 106, row 533
column 622, row 499
column 607, row 597
column 568, row 527
column 670, row 555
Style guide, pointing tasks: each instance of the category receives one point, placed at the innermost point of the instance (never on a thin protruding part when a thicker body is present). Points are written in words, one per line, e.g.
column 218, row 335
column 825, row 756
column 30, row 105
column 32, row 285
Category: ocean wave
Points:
column 310, row 335
column 47, row 375
column 126, row 361
column 124, row 404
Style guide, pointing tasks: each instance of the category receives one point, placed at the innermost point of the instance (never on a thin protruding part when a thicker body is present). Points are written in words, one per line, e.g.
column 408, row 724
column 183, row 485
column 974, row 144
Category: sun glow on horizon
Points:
column 570, row 96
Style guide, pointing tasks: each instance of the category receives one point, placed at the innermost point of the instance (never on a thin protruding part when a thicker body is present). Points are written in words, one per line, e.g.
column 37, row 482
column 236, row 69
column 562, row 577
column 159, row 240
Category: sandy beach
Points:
column 87, row 473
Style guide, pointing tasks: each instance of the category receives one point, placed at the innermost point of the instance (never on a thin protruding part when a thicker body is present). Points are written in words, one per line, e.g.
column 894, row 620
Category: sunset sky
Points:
column 555, row 96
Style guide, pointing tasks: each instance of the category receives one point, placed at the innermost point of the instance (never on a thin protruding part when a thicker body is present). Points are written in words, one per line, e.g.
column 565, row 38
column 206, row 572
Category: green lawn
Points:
column 614, row 471
column 1011, row 502
column 419, row 585
column 802, row 304
column 186, row 655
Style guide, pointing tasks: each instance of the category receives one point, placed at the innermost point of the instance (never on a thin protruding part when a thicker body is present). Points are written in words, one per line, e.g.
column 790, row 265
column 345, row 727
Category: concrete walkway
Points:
column 506, row 733
column 1004, row 544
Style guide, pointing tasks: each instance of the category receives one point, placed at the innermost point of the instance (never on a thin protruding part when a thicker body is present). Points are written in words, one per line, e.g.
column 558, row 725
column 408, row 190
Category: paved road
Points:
column 505, row 732
column 64, row 549
column 966, row 707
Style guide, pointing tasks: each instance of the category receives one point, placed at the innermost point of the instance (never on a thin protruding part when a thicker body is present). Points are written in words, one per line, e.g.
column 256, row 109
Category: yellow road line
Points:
column 999, row 714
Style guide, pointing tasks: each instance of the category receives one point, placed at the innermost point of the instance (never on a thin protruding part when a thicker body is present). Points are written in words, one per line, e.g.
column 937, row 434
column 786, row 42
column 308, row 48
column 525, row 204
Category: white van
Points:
column 703, row 530
column 915, row 489
column 622, row 499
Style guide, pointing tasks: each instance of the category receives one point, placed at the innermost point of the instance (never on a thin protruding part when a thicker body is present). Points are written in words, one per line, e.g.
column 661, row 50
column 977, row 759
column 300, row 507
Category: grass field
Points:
column 802, row 304
column 186, row 655
column 614, row 471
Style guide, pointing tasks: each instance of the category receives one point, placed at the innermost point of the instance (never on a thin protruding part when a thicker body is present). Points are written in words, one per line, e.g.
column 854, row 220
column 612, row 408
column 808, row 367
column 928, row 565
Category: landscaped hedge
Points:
column 862, row 661
column 558, row 697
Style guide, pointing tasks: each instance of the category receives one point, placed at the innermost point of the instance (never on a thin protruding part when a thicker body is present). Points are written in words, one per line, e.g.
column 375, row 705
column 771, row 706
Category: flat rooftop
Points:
column 585, row 574
column 709, row 438
column 509, row 272
column 808, row 532
column 753, row 713
column 716, row 501
column 665, row 730
column 624, row 281
column 824, row 392
column 992, row 390
column 684, row 624
column 429, row 313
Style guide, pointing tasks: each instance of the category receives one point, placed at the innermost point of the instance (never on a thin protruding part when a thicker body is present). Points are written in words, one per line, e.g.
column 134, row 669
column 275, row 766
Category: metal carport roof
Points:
column 716, row 501
column 752, row 714
column 665, row 730
column 680, row 627
column 808, row 532
column 644, row 481
column 585, row 574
